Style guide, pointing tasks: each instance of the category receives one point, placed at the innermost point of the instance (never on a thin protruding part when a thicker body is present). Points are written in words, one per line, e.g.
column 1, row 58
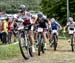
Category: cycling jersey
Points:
column 54, row 25
column 71, row 25
column 27, row 18
column 42, row 22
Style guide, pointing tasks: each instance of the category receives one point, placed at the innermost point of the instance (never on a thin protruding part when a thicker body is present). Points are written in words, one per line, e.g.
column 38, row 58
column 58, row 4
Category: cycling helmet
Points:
column 70, row 19
column 44, row 16
column 40, row 14
column 22, row 8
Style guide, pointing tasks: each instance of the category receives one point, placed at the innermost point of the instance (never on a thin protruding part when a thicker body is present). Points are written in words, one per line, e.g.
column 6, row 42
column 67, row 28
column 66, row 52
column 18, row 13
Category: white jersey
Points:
column 71, row 24
column 71, row 27
column 27, row 15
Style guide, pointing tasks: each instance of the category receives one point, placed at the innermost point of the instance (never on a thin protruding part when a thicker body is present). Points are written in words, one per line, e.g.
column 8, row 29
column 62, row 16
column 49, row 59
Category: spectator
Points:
column 15, row 31
column 1, row 30
column 10, row 27
column 5, row 31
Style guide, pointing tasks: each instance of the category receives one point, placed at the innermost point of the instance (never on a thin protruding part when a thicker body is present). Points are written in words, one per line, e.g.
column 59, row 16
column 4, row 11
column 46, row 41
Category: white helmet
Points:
column 70, row 19
column 44, row 16
column 22, row 8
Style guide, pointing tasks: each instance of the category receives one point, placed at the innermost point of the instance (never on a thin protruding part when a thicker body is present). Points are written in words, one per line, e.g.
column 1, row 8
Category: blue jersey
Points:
column 54, row 25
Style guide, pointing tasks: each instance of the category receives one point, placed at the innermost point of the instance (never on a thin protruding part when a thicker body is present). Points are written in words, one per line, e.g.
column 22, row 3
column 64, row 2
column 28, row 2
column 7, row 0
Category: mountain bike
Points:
column 40, row 41
column 55, row 38
column 25, row 43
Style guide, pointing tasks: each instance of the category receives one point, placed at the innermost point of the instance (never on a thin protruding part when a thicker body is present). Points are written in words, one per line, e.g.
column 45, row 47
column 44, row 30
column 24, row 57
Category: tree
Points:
column 58, row 8
column 11, row 6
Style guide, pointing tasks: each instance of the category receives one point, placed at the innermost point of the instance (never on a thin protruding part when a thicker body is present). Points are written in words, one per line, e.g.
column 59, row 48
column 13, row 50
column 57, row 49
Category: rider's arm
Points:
column 34, row 19
column 68, row 23
column 59, row 25
column 65, row 27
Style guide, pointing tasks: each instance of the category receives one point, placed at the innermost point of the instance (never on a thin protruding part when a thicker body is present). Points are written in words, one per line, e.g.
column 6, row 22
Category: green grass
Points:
column 9, row 51
column 64, row 35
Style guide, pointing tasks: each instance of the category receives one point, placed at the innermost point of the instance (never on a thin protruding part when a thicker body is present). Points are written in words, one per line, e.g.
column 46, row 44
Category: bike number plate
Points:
column 54, row 31
column 40, row 30
column 71, row 31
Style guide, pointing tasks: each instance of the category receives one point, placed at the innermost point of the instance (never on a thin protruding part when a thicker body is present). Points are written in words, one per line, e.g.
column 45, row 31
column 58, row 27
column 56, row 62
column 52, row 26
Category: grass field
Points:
column 11, row 54
column 9, row 51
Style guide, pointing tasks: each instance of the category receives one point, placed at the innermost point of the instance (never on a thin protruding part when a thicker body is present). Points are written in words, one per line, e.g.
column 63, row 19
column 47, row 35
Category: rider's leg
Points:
column 32, row 39
column 45, row 38
column 50, row 36
column 35, row 36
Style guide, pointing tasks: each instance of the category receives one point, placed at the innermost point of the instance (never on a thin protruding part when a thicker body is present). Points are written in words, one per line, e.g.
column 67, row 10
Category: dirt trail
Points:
column 62, row 55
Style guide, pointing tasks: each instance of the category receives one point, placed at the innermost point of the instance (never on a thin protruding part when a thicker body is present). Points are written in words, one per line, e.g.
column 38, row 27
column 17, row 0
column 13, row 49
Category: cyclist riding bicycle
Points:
column 42, row 21
column 55, row 26
column 71, row 26
column 27, row 17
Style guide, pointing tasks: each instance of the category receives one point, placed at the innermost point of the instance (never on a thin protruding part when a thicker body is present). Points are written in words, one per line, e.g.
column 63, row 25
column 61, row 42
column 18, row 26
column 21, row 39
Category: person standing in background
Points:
column 10, row 28
column 1, row 28
column 5, row 31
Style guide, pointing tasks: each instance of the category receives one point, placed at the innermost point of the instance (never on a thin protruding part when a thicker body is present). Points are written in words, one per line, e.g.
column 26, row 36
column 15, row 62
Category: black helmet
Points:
column 22, row 8
column 40, row 14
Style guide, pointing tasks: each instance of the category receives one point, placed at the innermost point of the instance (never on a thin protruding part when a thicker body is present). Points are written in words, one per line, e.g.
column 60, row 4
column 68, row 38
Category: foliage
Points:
column 58, row 8
column 11, row 6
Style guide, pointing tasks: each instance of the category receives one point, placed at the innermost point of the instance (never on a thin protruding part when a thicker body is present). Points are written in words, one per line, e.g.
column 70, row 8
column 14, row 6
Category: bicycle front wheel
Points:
column 55, row 42
column 23, row 47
